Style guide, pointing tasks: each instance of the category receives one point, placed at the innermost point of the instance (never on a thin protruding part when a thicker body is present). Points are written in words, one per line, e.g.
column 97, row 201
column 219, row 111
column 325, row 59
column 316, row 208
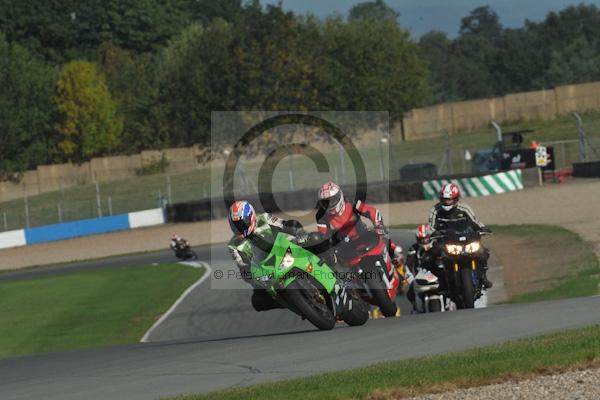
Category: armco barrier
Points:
column 476, row 186
column 85, row 227
column 12, row 239
column 305, row 199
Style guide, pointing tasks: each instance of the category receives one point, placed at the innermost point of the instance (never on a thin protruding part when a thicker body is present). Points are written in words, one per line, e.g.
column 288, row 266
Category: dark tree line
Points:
column 99, row 77
column 488, row 60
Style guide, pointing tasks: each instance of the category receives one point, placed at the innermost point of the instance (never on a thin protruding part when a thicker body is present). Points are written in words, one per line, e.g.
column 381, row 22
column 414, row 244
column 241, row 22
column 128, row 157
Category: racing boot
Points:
column 487, row 284
column 345, row 298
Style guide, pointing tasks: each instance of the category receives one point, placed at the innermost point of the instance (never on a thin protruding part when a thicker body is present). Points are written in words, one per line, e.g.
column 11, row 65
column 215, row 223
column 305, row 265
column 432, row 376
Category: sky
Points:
column 421, row 16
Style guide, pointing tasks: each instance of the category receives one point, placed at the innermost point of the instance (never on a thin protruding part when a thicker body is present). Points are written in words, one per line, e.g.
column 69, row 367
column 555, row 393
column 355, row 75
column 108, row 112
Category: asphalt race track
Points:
column 228, row 344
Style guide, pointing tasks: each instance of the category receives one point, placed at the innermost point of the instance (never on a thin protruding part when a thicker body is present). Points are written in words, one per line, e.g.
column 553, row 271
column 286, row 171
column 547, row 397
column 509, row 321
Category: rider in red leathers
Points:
column 341, row 222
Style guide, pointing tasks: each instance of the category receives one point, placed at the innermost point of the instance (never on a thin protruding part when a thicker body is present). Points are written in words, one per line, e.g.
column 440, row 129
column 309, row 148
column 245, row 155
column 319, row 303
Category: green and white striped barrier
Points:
column 478, row 186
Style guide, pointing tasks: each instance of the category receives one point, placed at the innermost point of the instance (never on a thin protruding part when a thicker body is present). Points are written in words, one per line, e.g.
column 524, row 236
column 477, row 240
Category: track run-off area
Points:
column 213, row 339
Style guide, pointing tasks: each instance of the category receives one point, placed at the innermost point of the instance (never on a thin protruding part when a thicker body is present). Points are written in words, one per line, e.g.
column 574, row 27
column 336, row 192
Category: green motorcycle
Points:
column 304, row 283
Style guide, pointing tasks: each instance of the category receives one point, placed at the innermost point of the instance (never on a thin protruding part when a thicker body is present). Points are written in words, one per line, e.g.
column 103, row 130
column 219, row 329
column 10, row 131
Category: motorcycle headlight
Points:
column 287, row 262
column 454, row 249
column 472, row 247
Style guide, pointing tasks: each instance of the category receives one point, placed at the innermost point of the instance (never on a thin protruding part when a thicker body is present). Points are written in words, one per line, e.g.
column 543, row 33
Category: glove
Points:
column 398, row 256
column 237, row 257
column 301, row 237
column 380, row 229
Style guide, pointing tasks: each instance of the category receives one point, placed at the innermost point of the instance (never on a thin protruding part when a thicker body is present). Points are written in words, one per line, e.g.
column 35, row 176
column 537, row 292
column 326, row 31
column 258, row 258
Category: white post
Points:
column 110, row 205
column 169, row 193
column 5, row 221
column 98, row 202
column 26, row 211
column 540, row 177
column 59, row 213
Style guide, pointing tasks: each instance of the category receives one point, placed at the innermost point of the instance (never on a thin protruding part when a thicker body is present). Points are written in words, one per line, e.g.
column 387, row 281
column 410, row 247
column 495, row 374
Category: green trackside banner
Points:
column 486, row 185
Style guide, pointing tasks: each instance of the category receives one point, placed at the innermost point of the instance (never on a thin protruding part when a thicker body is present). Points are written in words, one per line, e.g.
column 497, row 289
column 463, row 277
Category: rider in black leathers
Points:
column 450, row 209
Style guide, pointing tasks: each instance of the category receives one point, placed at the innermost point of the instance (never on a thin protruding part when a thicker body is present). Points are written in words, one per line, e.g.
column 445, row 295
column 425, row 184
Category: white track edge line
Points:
column 206, row 274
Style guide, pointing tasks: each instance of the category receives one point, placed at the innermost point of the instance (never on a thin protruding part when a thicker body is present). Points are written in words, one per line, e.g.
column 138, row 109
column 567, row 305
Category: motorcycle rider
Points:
column 422, row 254
column 177, row 242
column 253, row 239
column 340, row 220
column 450, row 209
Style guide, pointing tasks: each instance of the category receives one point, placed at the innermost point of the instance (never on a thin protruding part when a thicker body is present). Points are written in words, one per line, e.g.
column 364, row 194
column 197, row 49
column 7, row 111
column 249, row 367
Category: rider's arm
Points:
column 433, row 218
column 241, row 252
column 469, row 213
column 371, row 213
column 290, row 226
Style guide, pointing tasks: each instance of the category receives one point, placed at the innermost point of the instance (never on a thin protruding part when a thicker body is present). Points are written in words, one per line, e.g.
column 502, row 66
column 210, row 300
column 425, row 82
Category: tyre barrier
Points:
column 476, row 186
column 586, row 169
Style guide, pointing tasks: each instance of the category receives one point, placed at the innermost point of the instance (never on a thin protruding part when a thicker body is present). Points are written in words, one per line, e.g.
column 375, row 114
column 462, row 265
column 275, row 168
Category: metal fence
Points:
column 383, row 163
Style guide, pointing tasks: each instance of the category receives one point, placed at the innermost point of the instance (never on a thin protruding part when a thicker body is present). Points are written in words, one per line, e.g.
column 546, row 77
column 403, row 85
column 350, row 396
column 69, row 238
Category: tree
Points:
column 205, row 11
column 373, row 66
column 89, row 125
column 577, row 62
column 444, row 71
column 482, row 21
column 373, row 10
column 133, row 82
column 26, row 109
column 62, row 30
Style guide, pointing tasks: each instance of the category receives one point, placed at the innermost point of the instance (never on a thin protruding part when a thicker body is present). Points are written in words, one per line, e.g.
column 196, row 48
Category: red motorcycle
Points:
column 374, row 274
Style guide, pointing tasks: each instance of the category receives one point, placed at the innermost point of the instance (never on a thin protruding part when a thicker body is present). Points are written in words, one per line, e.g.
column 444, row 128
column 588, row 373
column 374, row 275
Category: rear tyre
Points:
column 435, row 306
column 468, row 290
column 380, row 295
column 359, row 314
column 306, row 302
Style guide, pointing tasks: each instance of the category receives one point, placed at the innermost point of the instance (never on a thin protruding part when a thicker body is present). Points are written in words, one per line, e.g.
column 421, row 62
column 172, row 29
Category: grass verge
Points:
column 579, row 275
column 581, row 272
column 518, row 359
column 87, row 308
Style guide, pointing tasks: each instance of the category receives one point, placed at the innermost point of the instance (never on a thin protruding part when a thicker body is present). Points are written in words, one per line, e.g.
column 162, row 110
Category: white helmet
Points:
column 331, row 198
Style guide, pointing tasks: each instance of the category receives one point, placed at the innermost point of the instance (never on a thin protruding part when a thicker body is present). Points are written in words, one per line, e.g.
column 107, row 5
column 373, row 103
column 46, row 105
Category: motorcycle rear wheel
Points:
column 380, row 295
column 359, row 314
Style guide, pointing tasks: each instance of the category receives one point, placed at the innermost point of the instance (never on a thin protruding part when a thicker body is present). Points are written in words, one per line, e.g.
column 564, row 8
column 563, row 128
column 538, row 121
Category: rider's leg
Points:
column 262, row 301
column 483, row 267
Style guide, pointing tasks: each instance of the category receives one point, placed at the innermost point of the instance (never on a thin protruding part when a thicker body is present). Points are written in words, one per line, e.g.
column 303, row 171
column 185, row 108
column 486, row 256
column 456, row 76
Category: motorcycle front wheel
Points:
column 310, row 304
column 467, row 288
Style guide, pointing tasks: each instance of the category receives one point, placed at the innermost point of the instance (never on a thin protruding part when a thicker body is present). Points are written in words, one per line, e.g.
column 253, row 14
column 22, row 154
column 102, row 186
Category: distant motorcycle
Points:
column 430, row 292
column 183, row 250
column 460, row 283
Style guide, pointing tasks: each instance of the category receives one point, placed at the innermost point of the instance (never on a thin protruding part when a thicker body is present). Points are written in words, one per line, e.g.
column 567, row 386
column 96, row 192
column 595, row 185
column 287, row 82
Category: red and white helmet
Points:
column 424, row 237
column 449, row 196
column 331, row 198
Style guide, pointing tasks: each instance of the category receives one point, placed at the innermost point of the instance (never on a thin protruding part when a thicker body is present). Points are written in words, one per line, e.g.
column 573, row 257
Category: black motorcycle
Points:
column 461, row 254
column 183, row 251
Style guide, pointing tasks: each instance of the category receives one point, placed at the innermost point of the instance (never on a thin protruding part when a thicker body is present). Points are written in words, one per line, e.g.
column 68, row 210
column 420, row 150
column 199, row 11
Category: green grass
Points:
column 87, row 309
column 145, row 191
column 478, row 366
column 582, row 273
